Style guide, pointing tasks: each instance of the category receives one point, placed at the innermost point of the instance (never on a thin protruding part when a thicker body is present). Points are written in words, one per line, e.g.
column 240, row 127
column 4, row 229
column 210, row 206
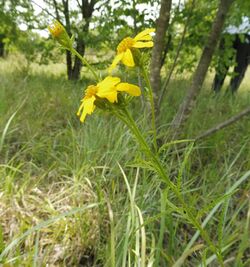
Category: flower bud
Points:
column 60, row 34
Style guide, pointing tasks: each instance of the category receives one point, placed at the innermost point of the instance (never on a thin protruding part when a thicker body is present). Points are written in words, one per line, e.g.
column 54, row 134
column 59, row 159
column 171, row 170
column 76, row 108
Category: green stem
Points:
column 85, row 62
column 151, row 99
column 129, row 121
column 133, row 127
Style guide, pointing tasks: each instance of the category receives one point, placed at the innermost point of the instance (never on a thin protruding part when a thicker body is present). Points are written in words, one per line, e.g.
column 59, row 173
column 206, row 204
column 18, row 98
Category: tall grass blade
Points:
column 245, row 239
column 36, row 252
column 5, row 130
column 181, row 260
column 213, row 257
column 164, row 196
column 213, row 211
column 143, row 238
column 112, row 235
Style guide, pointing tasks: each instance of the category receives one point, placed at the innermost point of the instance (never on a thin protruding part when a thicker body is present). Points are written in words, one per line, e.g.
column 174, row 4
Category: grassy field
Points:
column 75, row 194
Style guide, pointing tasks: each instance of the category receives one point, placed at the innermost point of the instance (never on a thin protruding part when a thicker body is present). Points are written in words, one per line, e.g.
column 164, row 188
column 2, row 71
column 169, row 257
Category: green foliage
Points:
column 124, row 17
column 201, row 17
column 239, row 10
column 13, row 14
column 51, row 167
column 109, row 18
column 34, row 47
column 151, row 211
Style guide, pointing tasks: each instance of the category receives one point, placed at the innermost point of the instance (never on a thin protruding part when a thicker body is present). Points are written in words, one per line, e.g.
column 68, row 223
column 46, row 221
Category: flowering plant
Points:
column 107, row 94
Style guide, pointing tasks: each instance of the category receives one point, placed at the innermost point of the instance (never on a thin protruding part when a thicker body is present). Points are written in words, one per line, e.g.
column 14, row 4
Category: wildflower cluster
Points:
column 108, row 88
column 106, row 94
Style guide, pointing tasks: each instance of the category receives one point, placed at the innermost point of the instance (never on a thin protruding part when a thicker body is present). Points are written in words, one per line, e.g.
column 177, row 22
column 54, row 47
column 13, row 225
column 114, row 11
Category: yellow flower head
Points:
column 108, row 89
column 56, row 28
column 126, row 46
column 60, row 34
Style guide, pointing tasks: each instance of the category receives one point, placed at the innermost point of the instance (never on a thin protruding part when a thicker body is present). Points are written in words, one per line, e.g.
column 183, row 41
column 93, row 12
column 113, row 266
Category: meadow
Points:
column 75, row 194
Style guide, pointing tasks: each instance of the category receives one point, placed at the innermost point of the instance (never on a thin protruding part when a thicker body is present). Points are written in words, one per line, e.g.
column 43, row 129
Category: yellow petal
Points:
column 109, row 93
column 107, row 88
column 143, row 44
column 80, row 108
column 132, row 89
column 145, row 38
column 56, row 28
column 111, row 96
column 115, row 62
column 87, row 107
column 108, row 82
column 143, row 33
column 127, row 59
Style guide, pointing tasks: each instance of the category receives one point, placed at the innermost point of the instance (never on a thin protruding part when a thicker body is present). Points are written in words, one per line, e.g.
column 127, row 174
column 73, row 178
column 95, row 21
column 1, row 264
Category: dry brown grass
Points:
column 66, row 240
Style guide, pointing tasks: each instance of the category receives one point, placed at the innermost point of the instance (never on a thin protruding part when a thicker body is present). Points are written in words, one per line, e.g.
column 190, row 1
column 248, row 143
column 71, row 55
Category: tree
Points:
column 201, row 70
column 8, row 26
column 76, row 20
column 13, row 14
column 107, row 16
column 157, row 53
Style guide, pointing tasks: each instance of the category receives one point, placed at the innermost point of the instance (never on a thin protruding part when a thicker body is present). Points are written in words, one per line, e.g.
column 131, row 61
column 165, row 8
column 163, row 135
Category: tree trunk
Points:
column 166, row 82
column 201, row 70
column 2, row 45
column 68, row 29
column 134, row 17
column 87, row 8
column 80, row 47
column 69, row 65
column 159, row 43
column 166, row 49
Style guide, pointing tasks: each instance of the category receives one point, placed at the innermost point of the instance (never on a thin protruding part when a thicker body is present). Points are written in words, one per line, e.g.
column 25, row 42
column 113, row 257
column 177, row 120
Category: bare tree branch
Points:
column 224, row 124
column 56, row 10
column 78, row 3
column 43, row 9
column 182, row 146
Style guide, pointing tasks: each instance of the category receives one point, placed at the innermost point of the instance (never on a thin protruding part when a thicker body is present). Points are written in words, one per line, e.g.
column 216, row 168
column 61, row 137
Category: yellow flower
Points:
column 108, row 89
column 126, row 46
column 60, row 34
column 56, row 28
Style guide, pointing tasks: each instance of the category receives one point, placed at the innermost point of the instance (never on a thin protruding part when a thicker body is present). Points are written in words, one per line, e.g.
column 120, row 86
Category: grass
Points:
column 83, row 195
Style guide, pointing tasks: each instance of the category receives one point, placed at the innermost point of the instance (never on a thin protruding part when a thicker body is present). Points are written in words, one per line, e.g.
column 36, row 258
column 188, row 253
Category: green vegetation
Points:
column 137, row 184
column 76, row 194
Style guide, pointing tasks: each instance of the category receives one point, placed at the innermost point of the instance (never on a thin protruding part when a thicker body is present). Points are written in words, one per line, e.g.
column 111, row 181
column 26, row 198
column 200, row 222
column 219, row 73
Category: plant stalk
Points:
column 129, row 121
column 151, row 99
column 85, row 62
